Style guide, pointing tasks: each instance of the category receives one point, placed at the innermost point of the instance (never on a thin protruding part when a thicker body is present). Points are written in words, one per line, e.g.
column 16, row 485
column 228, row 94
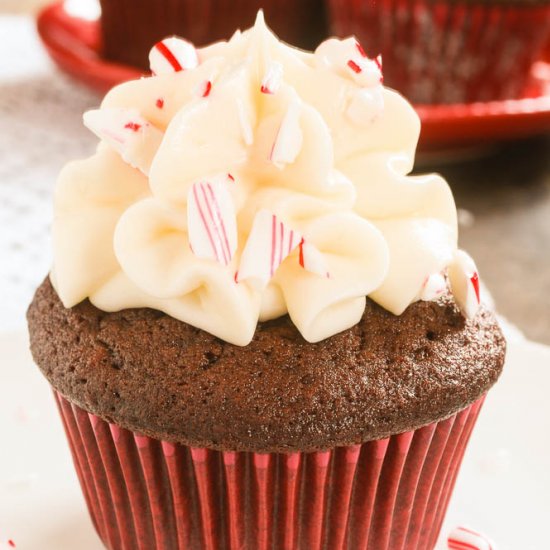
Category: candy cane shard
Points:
column 434, row 286
column 269, row 243
column 271, row 82
column 246, row 127
column 365, row 105
column 464, row 280
column 126, row 131
column 204, row 89
column 212, row 222
column 463, row 538
column 349, row 59
column 289, row 138
column 172, row 55
column 312, row 260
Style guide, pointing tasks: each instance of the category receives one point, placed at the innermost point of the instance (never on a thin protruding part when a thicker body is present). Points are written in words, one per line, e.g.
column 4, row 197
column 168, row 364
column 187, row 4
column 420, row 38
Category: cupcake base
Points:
column 387, row 494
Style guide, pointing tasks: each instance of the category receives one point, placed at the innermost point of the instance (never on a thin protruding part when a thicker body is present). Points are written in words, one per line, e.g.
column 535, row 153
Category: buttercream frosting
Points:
column 247, row 180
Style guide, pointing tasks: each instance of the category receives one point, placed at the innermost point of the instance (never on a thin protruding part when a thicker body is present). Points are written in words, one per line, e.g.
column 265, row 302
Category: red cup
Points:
column 143, row 493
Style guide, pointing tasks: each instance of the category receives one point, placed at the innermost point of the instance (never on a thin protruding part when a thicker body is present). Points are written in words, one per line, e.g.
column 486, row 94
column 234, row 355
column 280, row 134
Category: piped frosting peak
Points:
column 247, row 180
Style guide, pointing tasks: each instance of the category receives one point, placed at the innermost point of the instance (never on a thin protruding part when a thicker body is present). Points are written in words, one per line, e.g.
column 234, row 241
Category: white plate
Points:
column 503, row 489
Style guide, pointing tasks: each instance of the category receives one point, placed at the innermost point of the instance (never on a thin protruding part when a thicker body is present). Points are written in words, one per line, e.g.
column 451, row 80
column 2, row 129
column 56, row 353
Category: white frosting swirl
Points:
column 313, row 139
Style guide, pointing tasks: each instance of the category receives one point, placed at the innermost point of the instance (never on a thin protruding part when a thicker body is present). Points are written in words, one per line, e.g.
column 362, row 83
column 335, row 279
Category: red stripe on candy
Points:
column 169, row 56
column 475, row 283
column 460, row 545
column 214, row 224
column 204, row 222
column 354, row 67
column 281, row 241
column 273, row 243
column 160, row 103
column 220, row 221
column 207, row 88
column 301, row 245
column 360, row 49
column 466, row 530
column 134, row 126
column 11, row 543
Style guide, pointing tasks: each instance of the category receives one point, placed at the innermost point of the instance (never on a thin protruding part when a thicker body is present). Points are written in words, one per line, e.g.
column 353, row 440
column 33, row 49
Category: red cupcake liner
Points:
column 436, row 51
column 389, row 494
column 131, row 28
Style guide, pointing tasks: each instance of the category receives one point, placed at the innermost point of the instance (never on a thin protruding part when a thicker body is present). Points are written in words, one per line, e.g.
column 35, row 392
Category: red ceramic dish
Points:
column 74, row 44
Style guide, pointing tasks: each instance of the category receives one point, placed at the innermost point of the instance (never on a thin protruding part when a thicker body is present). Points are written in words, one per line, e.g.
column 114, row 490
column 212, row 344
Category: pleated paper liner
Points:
column 145, row 494
column 449, row 51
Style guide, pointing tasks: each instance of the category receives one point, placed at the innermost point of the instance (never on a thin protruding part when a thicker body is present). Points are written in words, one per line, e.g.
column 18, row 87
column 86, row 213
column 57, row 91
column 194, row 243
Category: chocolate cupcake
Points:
column 130, row 27
column 258, row 328
column 450, row 51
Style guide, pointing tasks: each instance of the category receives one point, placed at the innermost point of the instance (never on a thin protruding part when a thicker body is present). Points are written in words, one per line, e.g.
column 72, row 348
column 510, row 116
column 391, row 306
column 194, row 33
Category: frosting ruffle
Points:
column 262, row 181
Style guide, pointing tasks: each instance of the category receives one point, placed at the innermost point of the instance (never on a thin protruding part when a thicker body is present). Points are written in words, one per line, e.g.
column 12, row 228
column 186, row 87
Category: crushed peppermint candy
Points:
column 246, row 127
column 312, row 260
column 354, row 66
column 269, row 243
column 464, row 279
column 207, row 88
column 348, row 58
column 212, row 222
column 172, row 55
column 434, row 286
column 273, row 78
column 289, row 139
column 464, row 538
column 126, row 131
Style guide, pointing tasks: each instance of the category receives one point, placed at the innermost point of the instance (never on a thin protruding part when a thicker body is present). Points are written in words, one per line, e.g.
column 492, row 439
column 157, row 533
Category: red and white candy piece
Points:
column 126, row 131
column 289, row 138
column 269, row 243
column 212, row 223
column 348, row 58
column 203, row 89
column 273, row 78
column 172, row 55
column 434, row 286
column 365, row 105
column 463, row 538
column 464, row 280
column 312, row 260
column 246, row 127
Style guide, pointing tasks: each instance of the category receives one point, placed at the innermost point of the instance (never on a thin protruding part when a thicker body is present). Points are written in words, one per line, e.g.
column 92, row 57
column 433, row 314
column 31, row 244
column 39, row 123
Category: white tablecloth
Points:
column 40, row 130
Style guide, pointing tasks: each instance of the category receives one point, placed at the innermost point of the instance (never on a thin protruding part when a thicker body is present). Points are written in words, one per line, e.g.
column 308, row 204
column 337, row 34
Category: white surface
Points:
column 503, row 489
column 41, row 129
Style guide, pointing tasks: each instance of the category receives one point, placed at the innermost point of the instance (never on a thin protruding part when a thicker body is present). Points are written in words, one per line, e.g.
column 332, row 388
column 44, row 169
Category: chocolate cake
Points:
column 155, row 375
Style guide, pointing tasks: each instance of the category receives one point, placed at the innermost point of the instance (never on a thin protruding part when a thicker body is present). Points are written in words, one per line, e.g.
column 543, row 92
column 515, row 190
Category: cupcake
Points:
column 258, row 328
column 450, row 51
column 129, row 28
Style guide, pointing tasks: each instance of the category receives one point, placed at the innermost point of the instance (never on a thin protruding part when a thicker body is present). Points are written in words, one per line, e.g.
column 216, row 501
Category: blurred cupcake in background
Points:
column 129, row 27
column 449, row 51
